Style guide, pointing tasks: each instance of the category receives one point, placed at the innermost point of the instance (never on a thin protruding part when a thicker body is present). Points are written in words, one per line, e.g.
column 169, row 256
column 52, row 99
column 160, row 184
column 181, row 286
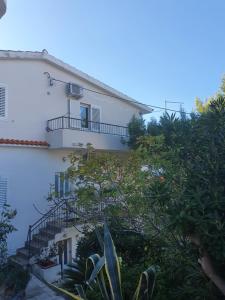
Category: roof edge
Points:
column 4, row 141
column 44, row 55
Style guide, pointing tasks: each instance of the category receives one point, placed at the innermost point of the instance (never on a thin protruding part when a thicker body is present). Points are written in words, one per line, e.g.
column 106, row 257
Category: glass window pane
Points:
column 84, row 115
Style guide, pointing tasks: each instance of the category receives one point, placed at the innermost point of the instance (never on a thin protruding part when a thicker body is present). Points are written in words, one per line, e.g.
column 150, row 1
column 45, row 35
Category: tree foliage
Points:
column 136, row 128
column 203, row 106
column 102, row 271
column 6, row 227
column 170, row 187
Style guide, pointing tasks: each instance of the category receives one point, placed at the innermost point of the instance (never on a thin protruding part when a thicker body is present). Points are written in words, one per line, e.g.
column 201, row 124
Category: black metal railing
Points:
column 64, row 214
column 78, row 124
column 55, row 216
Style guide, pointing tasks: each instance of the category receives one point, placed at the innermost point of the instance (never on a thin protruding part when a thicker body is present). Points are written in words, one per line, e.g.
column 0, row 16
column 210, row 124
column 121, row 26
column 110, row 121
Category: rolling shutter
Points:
column 2, row 102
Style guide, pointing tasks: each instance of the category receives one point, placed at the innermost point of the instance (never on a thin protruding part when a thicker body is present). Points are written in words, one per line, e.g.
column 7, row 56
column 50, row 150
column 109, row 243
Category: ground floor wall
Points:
column 29, row 173
column 71, row 236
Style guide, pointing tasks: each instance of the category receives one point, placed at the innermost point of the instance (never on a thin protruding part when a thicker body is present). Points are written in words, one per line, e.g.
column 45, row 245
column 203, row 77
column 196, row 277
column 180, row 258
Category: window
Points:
column 2, row 102
column 62, row 187
column 3, row 191
column 84, row 115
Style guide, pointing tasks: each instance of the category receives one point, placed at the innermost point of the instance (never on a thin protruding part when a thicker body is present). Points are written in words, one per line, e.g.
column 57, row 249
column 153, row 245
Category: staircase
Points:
column 62, row 215
column 45, row 229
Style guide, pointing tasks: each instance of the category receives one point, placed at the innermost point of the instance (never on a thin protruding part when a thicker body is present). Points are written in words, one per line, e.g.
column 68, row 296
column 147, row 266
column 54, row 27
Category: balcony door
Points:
column 85, row 116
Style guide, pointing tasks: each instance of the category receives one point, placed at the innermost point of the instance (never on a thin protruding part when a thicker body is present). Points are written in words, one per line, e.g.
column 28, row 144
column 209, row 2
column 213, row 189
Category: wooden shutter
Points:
column 3, row 191
column 2, row 102
column 95, row 117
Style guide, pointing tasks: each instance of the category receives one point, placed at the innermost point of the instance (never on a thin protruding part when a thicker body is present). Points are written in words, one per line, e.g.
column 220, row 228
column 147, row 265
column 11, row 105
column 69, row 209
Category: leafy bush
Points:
column 171, row 188
column 14, row 277
column 106, row 270
column 136, row 128
column 6, row 216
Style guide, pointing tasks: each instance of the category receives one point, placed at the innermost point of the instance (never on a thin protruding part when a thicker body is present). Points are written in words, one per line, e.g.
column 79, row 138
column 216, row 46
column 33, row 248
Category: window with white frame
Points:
column 3, row 191
column 3, row 104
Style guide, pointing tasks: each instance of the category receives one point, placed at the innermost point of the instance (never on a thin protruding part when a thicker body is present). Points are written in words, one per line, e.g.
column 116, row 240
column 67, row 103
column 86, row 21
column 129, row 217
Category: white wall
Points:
column 30, row 172
column 67, row 138
column 73, row 233
column 31, row 101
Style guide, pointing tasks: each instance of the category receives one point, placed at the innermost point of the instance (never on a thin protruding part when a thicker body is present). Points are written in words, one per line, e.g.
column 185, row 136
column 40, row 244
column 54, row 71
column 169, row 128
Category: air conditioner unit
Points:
column 74, row 90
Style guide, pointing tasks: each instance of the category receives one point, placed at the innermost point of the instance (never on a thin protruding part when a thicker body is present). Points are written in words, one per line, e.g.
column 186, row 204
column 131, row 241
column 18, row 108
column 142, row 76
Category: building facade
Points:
column 49, row 109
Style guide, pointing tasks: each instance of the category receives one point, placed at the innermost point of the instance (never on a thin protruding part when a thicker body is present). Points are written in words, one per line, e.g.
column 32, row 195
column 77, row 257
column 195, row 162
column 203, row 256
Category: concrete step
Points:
column 48, row 232
column 41, row 238
column 19, row 260
column 55, row 225
column 23, row 252
column 54, row 229
column 35, row 247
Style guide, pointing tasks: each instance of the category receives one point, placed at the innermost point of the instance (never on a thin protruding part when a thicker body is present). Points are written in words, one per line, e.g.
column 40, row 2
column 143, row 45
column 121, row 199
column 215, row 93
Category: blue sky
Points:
column 152, row 50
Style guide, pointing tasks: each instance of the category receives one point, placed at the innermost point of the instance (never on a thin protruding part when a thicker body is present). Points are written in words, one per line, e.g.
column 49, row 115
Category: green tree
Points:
column 223, row 85
column 136, row 128
column 6, row 228
column 169, row 188
column 139, row 189
column 203, row 106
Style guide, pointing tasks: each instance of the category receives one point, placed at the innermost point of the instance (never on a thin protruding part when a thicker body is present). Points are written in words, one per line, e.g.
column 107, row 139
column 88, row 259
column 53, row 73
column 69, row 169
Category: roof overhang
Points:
column 2, row 7
column 44, row 56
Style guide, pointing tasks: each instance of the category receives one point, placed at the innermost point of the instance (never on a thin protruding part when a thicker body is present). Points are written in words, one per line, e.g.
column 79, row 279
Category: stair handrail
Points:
column 40, row 221
column 48, row 214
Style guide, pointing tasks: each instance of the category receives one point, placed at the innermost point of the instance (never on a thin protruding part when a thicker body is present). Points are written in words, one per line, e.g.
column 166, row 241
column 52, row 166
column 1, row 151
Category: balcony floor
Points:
column 77, row 139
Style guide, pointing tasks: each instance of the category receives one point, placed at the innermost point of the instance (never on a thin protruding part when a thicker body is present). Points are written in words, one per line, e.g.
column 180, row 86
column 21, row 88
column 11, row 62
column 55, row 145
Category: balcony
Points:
column 69, row 133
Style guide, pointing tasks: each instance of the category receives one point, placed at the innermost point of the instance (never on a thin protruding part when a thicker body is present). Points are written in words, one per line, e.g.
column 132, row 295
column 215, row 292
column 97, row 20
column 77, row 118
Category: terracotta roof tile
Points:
column 23, row 142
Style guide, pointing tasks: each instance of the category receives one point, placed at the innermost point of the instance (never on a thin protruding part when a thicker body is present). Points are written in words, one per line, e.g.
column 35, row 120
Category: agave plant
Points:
column 105, row 271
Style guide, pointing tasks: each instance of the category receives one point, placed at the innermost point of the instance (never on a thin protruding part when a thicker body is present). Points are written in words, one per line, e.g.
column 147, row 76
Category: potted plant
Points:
column 48, row 257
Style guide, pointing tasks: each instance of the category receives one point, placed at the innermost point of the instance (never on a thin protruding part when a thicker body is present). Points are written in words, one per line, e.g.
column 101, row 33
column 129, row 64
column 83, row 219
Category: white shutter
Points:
column 95, row 117
column 74, row 109
column 2, row 102
column 3, row 191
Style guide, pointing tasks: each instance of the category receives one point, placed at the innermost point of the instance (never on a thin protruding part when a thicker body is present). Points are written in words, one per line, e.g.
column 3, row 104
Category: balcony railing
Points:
column 78, row 124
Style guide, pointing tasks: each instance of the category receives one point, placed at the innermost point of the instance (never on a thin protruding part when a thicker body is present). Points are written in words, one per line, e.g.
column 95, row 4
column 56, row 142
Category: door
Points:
column 65, row 252
column 65, row 260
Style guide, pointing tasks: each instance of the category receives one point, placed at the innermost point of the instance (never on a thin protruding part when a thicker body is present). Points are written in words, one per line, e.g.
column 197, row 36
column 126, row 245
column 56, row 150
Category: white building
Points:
column 2, row 7
column 47, row 110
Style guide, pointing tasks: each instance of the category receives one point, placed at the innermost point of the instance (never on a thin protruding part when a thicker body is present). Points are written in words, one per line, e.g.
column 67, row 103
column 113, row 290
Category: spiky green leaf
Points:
column 112, row 265
column 80, row 291
column 146, row 285
column 66, row 293
column 97, row 268
column 95, row 264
